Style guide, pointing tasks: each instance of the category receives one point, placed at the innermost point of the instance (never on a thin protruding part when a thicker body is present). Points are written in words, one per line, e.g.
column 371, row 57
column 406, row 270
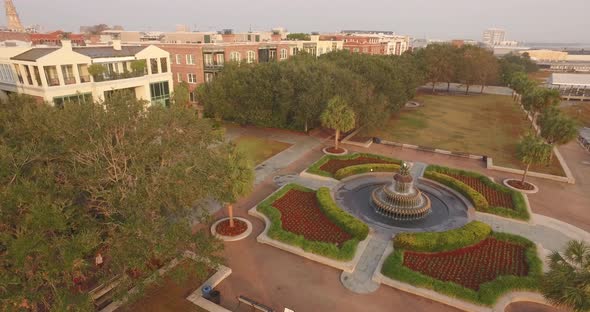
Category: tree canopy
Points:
column 298, row 36
column 114, row 181
column 532, row 150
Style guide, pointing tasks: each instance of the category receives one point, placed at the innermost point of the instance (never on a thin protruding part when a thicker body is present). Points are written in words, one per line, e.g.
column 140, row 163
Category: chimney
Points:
column 117, row 45
column 66, row 44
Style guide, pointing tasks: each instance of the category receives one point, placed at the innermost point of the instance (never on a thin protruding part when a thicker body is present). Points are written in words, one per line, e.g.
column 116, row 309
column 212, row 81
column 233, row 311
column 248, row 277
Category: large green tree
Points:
column 94, row 191
column 568, row 281
column 556, row 127
column 338, row 116
column 532, row 150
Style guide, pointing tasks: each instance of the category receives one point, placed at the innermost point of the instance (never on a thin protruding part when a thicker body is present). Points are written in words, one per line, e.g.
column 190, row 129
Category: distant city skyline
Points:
column 523, row 20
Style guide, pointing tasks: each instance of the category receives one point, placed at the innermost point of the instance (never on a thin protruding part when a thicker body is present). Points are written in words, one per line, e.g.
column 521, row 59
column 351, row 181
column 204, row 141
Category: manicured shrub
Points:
column 470, row 234
column 518, row 209
column 344, row 253
column 478, row 201
column 347, row 222
column 316, row 167
column 358, row 169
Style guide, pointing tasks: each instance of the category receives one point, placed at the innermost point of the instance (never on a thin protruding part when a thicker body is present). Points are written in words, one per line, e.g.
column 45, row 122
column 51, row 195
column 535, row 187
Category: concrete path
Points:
column 360, row 280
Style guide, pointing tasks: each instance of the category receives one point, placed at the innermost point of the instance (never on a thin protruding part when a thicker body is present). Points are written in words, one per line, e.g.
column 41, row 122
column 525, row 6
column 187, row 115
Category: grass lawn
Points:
column 170, row 295
column 259, row 149
column 580, row 112
column 488, row 125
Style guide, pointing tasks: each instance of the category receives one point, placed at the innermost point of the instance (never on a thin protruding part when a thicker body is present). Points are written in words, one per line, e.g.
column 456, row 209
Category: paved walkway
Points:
column 360, row 280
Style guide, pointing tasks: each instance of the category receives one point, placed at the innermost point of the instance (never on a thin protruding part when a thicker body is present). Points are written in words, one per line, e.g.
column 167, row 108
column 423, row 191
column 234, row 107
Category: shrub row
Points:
column 344, row 253
column 345, row 221
column 470, row 234
column 519, row 210
column 488, row 293
column 315, row 167
column 358, row 169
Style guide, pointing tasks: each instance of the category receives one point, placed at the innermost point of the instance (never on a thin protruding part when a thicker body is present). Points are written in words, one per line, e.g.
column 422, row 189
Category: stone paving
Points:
column 360, row 280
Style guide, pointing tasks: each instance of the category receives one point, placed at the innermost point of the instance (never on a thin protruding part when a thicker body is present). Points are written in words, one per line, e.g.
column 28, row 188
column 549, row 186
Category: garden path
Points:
column 360, row 280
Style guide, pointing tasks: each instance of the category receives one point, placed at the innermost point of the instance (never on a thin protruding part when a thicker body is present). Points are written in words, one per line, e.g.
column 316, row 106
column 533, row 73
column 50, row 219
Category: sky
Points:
column 524, row 20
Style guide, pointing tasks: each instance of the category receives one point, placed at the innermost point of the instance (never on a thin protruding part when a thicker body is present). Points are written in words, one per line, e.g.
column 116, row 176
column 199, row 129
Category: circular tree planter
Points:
column 412, row 104
column 242, row 228
column 332, row 151
column 515, row 185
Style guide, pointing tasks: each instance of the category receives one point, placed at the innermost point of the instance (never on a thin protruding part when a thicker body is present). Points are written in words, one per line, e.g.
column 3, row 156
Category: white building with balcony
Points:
column 59, row 75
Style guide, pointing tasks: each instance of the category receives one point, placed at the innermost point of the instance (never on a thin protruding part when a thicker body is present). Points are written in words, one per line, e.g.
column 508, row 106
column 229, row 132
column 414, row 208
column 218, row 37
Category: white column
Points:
column 43, row 76
column 60, row 75
column 76, row 73
column 159, row 62
column 149, row 66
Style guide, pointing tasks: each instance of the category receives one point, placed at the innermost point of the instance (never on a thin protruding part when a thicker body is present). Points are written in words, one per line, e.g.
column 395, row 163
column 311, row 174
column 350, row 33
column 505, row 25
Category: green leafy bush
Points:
column 344, row 253
column 519, row 210
column 315, row 168
column 345, row 221
column 488, row 293
column 470, row 234
column 479, row 202
column 358, row 169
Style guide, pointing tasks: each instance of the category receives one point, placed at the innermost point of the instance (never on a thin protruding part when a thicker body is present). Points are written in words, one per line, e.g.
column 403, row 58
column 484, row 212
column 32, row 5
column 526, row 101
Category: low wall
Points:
column 569, row 178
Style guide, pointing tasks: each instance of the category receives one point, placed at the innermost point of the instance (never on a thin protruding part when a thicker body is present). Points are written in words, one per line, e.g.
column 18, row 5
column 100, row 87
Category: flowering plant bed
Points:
column 224, row 229
column 328, row 165
column 313, row 222
column 486, row 195
column 480, row 272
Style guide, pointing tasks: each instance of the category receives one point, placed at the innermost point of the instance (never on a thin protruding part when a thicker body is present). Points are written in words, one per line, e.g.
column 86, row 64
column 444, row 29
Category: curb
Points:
column 232, row 238
column 535, row 189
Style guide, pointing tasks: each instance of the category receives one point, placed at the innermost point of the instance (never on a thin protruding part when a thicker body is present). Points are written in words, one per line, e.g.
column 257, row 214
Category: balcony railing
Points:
column 53, row 82
column 213, row 66
column 118, row 76
column 69, row 80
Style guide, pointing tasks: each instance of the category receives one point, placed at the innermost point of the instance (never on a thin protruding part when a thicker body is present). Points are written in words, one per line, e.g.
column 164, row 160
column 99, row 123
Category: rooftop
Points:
column 582, row 80
column 34, row 54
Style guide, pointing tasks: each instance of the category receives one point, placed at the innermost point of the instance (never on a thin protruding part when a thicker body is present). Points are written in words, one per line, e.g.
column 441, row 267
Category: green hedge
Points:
column 345, row 221
column 358, row 169
column 488, row 293
column 315, row 168
column 345, row 252
column 439, row 174
column 470, row 234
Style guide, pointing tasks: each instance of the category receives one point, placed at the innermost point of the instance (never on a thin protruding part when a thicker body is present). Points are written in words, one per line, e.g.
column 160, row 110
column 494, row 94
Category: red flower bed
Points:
column 301, row 214
column 471, row 266
column 495, row 198
column 223, row 228
column 334, row 165
column 521, row 186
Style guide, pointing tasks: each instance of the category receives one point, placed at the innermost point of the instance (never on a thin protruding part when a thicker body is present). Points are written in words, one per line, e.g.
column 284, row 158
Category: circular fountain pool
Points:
column 448, row 211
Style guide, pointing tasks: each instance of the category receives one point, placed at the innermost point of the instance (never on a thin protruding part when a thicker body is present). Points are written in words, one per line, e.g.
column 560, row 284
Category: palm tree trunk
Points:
column 467, row 90
column 526, row 171
column 433, row 87
column 482, row 87
column 448, row 86
column 306, row 126
column 230, row 211
column 336, row 140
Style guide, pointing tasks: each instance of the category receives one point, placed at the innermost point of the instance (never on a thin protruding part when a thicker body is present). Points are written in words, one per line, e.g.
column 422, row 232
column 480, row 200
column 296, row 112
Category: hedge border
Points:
column 359, row 169
column 519, row 212
column 315, row 167
column 469, row 234
column 488, row 293
column 344, row 220
column 344, row 253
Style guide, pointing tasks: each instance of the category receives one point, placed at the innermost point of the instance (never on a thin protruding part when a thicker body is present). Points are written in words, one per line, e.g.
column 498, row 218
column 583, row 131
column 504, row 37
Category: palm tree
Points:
column 237, row 179
column 338, row 116
column 533, row 150
column 568, row 281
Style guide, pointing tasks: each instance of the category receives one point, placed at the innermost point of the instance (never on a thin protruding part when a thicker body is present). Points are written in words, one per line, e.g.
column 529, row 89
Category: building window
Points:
column 284, row 54
column 160, row 93
column 251, row 57
column 179, row 77
column 208, row 59
column 190, row 60
column 28, row 73
column 38, row 76
column 235, row 57
column 18, row 73
column 208, row 77
column 192, row 96
column 154, row 65
column 164, row 64
column 272, row 55
column 192, row 78
column 178, row 59
column 355, row 50
column 79, row 98
column 220, row 58
column 68, row 74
